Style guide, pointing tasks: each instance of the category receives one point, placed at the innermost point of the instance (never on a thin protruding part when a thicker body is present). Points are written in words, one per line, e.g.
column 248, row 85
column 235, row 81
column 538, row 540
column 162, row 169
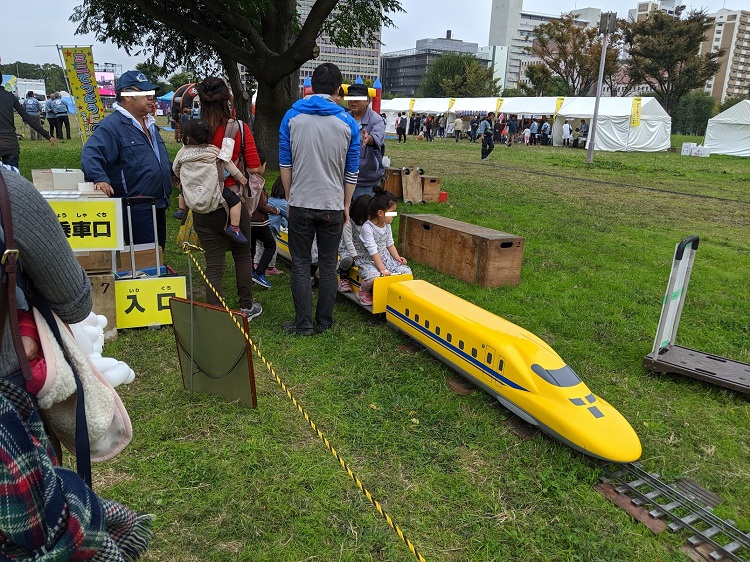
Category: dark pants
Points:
column 230, row 197
column 473, row 134
column 488, row 144
column 11, row 158
column 266, row 237
column 457, row 135
column 428, row 134
column 52, row 122
column 143, row 225
column 304, row 225
column 210, row 231
column 401, row 132
column 38, row 120
column 59, row 122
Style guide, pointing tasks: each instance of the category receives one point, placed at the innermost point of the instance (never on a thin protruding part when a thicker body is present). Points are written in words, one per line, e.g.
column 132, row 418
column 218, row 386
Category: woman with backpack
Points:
column 215, row 100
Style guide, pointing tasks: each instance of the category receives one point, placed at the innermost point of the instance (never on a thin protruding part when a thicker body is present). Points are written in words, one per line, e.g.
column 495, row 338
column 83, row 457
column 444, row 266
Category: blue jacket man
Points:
column 34, row 110
column 319, row 147
column 126, row 156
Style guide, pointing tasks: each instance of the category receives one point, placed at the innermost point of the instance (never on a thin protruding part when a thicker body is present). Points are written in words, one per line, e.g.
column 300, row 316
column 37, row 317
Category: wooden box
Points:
column 486, row 257
column 393, row 182
column 103, row 301
column 431, row 189
column 96, row 262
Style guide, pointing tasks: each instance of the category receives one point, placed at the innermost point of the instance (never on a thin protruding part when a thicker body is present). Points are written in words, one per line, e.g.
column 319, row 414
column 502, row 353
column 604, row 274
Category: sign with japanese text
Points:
column 635, row 114
column 79, row 67
column 145, row 302
column 90, row 225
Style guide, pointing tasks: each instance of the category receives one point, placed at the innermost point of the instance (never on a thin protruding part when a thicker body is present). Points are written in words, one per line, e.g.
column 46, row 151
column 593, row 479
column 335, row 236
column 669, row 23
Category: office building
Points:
column 731, row 32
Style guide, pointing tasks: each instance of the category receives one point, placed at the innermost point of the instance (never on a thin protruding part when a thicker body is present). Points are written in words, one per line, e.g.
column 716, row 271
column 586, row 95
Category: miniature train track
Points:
column 684, row 511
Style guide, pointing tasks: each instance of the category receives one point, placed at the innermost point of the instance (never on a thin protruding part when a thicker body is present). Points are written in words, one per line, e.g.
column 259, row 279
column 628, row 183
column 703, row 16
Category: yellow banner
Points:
column 499, row 105
column 635, row 113
column 145, row 302
column 90, row 225
column 560, row 101
column 79, row 67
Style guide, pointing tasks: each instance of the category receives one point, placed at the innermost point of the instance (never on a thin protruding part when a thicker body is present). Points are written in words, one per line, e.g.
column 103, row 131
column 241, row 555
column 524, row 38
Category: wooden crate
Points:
column 103, row 301
column 486, row 257
column 431, row 189
column 96, row 262
column 393, row 182
column 411, row 180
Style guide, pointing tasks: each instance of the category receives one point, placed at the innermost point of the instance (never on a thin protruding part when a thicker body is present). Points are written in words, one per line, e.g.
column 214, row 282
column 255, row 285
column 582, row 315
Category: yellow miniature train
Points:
column 516, row 367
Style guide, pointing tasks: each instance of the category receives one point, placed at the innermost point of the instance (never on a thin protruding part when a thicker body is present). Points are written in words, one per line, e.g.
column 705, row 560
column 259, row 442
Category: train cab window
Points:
column 449, row 337
column 407, row 312
column 461, row 344
column 427, row 324
column 416, row 317
column 474, row 352
column 437, row 330
column 489, row 359
column 564, row 376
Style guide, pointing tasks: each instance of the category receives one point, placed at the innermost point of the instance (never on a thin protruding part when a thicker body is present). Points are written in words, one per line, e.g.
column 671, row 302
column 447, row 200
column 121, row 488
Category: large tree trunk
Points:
column 272, row 103
column 242, row 98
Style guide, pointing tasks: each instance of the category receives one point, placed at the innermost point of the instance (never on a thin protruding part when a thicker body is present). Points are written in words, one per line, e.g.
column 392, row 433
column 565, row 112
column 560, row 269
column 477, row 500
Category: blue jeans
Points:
column 359, row 191
column 304, row 226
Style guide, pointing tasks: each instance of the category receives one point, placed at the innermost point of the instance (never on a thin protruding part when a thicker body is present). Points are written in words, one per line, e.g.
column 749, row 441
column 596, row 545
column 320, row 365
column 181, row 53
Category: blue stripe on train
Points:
column 482, row 367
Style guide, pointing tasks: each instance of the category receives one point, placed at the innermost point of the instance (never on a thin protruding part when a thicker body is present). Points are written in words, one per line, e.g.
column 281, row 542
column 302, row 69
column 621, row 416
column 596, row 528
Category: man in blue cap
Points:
column 126, row 156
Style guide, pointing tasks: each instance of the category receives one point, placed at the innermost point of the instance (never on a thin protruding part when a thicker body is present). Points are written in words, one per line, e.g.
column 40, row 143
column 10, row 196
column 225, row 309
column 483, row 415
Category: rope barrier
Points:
column 188, row 249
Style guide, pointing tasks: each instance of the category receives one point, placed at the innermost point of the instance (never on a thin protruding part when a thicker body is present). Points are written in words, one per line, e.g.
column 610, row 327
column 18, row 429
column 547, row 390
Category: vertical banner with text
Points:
column 79, row 68
column 635, row 113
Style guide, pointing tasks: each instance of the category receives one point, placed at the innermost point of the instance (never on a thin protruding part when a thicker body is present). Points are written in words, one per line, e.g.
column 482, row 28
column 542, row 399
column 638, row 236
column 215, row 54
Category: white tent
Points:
column 729, row 131
column 529, row 106
column 433, row 106
column 392, row 108
column 480, row 106
column 614, row 131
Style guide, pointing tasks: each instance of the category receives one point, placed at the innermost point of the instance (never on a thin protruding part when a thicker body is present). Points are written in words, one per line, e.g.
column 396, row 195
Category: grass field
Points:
column 228, row 483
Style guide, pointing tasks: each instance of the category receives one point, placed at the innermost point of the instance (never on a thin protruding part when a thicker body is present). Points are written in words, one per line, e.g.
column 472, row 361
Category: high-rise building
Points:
column 403, row 70
column 513, row 27
column 361, row 60
column 731, row 32
column 644, row 9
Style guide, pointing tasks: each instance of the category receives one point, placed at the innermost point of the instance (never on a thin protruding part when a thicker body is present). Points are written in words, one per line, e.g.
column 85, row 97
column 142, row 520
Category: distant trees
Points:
column 458, row 75
column 572, row 52
column 542, row 82
column 52, row 74
column 692, row 113
column 730, row 102
column 664, row 53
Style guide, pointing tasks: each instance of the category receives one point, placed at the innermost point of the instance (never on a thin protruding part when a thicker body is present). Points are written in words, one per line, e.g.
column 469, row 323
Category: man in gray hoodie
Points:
column 319, row 146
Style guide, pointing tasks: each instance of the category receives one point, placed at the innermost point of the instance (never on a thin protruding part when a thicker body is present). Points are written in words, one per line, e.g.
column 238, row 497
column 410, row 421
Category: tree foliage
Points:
column 664, row 53
column 155, row 73
column 692, row 114
column 731, row 102
column 541, row 82
column 266, row 36
column 456, row 75
column 572, row 52
column 52, row 74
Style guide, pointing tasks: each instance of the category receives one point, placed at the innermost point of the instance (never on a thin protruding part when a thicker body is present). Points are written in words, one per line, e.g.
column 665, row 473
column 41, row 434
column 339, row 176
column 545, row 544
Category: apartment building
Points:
column 731, row 32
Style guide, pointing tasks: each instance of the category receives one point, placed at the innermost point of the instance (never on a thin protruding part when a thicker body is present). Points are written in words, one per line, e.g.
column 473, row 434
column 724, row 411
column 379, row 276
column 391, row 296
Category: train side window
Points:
column 416, row 317
column 474, row 352
column 449, row 337
column 461, row 344
column 437, row 330
column 427, row 324
column 407, row 312
column 500, row 366
column 489, row 359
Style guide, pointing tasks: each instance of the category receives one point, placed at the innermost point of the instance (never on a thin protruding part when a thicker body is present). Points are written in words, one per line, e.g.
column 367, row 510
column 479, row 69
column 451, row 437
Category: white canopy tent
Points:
column 729, row 132
column 480, row 106
column 392, row 108
column 614, row 130
column 530, row 107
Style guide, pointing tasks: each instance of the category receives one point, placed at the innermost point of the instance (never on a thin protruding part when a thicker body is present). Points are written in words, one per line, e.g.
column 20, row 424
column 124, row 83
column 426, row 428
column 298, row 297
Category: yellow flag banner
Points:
column 79, row 67
column 499, row 105
column 560, row 101
column 635, row 113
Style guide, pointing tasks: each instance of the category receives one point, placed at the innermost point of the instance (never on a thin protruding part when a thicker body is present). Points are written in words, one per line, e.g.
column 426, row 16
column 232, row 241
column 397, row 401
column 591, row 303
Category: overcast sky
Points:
column 33, row 39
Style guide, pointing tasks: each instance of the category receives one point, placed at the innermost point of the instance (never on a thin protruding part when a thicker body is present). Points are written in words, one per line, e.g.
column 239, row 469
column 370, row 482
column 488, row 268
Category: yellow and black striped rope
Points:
column 187, row 248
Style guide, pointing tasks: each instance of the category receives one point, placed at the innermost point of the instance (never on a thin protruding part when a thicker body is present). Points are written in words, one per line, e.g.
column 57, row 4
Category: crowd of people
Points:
column 488, row 130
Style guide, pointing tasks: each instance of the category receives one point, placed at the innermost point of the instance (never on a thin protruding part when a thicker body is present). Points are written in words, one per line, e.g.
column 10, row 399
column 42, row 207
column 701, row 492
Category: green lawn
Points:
column 228, row 483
